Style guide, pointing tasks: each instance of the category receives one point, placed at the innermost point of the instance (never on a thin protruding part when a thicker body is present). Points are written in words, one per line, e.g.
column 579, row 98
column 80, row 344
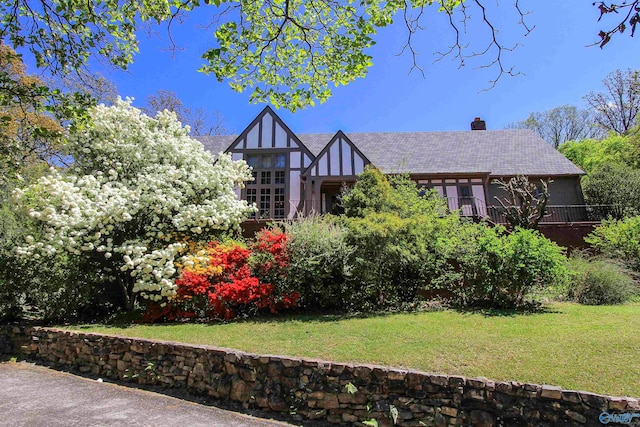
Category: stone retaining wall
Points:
column 335, row 393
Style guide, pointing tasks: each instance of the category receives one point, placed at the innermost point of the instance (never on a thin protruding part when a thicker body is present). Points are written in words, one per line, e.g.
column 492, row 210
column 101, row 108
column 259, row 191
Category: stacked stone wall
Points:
column 305, row 389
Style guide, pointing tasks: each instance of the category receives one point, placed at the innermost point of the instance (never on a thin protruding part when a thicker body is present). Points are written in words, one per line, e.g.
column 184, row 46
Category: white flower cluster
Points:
column 138, row 187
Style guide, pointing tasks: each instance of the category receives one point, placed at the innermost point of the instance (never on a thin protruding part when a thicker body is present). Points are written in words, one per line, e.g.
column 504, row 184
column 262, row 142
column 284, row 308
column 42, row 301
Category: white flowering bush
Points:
column 138, row 189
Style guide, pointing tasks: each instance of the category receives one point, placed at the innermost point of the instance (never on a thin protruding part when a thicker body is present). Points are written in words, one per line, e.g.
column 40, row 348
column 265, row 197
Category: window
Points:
column 252, row 160
column 251, row 195
column 464, row 190
column 278, row 209
column 269, row 188
column 265, row 202
column 279, row 161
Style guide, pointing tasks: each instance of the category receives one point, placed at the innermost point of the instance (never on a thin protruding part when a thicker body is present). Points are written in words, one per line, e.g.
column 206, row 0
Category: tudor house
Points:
column 304, row 173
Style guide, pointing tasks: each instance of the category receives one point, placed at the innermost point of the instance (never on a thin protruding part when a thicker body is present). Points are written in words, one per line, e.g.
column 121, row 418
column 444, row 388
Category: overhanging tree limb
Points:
column 286, row 52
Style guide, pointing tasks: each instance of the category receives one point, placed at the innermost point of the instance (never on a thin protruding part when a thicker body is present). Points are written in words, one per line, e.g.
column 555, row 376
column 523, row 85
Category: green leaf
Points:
column 350, row 388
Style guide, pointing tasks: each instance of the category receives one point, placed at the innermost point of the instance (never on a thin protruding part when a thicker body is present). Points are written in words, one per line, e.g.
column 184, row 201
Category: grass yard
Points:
column 593, row 348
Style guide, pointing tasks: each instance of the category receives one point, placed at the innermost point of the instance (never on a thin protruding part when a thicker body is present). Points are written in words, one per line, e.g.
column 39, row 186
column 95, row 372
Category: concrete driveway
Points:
column 32, row 395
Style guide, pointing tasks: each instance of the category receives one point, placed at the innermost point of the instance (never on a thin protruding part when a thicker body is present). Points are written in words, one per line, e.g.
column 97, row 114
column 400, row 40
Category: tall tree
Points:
column 562, row 124
column 27, row 134
column 616, row 186
column 30, row 140
column 618, row 106
column 590, row 154
column 287, row 52
column 165, row 100
column 95, row 85
column 205, row 122
column 200, row 121
column 613, row 172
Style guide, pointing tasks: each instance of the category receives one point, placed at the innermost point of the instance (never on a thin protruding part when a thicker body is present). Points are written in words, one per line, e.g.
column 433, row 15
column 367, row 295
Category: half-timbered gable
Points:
column 339, row 163
column 277, row 158
column 339, row 158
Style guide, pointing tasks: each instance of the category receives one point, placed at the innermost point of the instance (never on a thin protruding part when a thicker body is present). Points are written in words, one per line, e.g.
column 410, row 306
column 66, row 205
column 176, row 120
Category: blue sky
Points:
column 556, row 63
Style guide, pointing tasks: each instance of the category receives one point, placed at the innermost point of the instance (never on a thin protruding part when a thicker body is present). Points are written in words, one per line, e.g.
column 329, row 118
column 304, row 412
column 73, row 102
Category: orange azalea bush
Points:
column 219, row 281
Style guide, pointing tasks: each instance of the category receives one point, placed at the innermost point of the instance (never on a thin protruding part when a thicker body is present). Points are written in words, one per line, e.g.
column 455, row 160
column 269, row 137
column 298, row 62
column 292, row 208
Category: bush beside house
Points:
column 619, row 239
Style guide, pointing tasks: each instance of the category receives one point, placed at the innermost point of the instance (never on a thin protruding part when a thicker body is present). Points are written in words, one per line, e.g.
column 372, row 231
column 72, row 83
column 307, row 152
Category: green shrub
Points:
column 372, row 192
column 51, row 289
column 10, row 306
column 392, row 231
column 392, row 243
column 59, row 288
column 618, row 239
column 383, row 261
column 471, row 254
column 599, row 282
column 614, row 184
column 394, row 257
column 318, row 267
column 492, row 268
column 397, row 194
column 531, row 262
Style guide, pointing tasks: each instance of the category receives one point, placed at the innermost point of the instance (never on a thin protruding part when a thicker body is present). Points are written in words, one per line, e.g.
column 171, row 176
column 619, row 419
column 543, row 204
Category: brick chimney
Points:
column 478, row 124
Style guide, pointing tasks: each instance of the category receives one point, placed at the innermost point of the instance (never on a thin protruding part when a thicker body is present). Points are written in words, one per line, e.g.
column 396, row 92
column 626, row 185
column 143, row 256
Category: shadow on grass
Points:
column 278, row 318
column 527, row 310
column 128, row 320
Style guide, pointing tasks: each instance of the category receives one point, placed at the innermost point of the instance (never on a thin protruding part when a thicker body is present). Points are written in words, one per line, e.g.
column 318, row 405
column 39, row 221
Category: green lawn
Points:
column 593, row 348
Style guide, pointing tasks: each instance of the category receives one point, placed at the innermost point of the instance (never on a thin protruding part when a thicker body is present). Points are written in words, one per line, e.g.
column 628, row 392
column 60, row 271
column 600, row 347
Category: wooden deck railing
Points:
column 565, row 213
column 476, row 208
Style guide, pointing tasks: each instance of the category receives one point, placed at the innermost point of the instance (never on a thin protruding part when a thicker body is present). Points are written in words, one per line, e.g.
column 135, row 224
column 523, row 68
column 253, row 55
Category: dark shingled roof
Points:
column 316, row 142
column 216, row 144
column 504, row 152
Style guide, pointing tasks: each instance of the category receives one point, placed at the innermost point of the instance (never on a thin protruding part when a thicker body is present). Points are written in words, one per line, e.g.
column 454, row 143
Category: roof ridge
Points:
column 418, row 131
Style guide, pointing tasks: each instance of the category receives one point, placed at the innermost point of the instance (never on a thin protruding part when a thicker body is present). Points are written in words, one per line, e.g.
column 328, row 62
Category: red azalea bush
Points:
column 225, row 280
column 270, row 258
